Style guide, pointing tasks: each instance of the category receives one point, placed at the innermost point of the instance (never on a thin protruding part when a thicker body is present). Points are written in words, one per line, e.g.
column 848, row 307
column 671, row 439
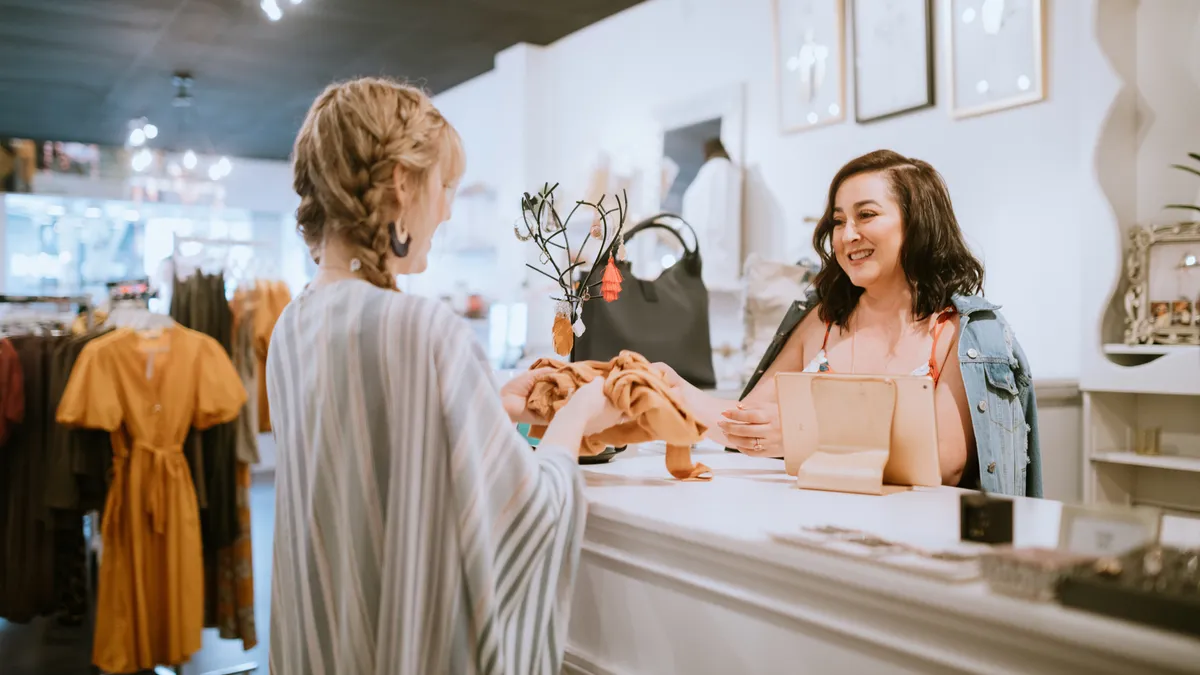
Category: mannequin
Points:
column 712, row 205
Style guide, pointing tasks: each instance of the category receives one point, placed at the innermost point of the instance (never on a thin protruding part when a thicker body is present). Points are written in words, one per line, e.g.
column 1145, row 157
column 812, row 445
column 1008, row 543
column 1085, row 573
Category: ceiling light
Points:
column 225, row 165
column 271, row 9
column 189, row 160
column 142, row 159
column 296, row 2
column 214, row 172
column 137, row 137
column 174, row 169
column 150, row 130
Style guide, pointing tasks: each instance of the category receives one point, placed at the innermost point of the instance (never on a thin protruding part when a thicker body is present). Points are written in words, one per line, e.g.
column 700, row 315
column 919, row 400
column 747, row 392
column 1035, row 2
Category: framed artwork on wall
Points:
column 810, row 66
column 996, row 52
column 893, row 58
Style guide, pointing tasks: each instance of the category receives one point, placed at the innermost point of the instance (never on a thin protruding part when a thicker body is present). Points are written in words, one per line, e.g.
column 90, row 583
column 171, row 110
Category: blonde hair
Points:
column 352, row 140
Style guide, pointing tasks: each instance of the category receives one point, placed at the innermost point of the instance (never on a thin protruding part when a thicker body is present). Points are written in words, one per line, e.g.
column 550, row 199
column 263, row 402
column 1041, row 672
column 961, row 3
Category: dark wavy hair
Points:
column 934, row 255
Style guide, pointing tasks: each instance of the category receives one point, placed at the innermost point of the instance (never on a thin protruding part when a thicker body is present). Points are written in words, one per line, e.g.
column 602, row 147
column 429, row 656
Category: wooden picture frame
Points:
column 904, row 53
column 809, row 38
column 983, row 39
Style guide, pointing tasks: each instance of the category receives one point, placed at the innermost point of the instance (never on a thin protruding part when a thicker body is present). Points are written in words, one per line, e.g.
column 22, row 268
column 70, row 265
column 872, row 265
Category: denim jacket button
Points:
column 992, row 467
column 972, row 353
column 983, row 406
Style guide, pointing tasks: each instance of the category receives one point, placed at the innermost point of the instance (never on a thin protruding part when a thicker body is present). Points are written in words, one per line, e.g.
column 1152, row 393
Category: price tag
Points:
column 1107, row 531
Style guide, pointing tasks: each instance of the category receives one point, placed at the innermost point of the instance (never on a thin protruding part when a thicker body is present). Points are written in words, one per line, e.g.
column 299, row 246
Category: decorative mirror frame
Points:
column 1139, row 325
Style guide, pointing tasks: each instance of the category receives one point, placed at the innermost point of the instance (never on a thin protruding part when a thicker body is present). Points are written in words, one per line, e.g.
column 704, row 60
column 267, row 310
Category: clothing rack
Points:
column 83, row 301
column 91, row 522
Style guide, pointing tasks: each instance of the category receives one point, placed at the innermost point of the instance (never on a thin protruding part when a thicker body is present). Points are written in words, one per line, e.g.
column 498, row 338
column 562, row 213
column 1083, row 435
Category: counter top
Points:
column 717, row 538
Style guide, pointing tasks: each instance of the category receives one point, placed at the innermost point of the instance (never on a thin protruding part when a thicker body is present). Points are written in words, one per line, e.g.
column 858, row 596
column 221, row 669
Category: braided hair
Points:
column 354, row 137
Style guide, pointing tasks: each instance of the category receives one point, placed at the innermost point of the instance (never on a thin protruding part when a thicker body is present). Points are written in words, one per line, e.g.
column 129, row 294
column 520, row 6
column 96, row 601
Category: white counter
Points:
column 686, row 578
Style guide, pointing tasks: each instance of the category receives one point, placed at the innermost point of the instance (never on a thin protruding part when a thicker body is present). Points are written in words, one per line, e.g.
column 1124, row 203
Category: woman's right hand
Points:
column 588, row 411
column 593, row 406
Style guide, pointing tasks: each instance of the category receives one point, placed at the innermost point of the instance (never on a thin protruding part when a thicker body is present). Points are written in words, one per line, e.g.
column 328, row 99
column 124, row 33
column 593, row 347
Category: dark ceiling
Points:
column 79, row 70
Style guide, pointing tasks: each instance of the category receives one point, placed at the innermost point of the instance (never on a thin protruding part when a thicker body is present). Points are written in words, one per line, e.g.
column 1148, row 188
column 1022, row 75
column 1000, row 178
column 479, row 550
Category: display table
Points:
column 687, row 578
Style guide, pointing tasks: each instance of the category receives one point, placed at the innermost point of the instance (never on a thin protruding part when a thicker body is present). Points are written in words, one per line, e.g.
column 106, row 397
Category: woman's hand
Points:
column 753, row 429
column 515, row 393
column 588, row 411
column 671, row 377
column 590, row 402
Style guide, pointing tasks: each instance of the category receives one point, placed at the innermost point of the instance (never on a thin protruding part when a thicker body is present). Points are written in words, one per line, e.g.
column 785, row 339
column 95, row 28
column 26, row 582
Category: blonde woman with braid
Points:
column 416, row 531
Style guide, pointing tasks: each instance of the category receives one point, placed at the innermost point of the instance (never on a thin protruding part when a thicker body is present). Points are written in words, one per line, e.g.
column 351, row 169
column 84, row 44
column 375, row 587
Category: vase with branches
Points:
column 1195, row 157
column 541, row 223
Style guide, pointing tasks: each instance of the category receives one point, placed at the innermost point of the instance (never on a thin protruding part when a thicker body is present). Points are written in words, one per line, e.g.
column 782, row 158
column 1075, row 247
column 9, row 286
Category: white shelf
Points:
column 1149, row 350
column 1170, row 462
column 1143, row 369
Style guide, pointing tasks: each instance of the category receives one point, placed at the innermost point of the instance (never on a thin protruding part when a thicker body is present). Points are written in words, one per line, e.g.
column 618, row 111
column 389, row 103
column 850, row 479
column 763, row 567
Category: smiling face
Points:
column 868, row 230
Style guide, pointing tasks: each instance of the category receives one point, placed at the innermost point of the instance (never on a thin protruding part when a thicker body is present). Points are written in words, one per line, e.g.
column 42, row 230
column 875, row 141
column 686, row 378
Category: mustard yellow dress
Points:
column 270, row 297
column 148, row 390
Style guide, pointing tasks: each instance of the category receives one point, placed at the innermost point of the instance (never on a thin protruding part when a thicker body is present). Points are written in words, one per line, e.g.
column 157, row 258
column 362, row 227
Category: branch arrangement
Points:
column 541, row 224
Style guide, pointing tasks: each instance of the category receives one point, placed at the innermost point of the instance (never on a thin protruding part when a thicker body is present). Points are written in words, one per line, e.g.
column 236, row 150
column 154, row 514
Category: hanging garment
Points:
column 148, row 391
column 245, row 359
column 26, row 524
column 235, row 575
column 415, row 530
column 199, row 303
column 74, row 484
column 12, row 390
column 712, row 205
column 654, row 410
column 272, row 298
column 230, row 574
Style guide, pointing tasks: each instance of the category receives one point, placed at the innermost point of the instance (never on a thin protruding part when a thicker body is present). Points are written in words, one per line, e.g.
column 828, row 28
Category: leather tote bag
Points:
column 664, row 320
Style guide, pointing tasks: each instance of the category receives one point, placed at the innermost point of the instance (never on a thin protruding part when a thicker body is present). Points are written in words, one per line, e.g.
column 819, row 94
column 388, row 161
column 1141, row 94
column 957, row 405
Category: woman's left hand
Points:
column 515, row 393
column 753, row 429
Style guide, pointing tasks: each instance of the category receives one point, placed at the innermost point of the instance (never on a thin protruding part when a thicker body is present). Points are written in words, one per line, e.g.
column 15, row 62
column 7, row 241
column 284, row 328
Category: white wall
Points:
column 1023, row 181
column 1013, row 175
column 1168, row 81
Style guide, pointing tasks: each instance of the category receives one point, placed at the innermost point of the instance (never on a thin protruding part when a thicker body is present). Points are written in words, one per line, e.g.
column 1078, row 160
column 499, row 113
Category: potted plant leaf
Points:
column 1195, row 170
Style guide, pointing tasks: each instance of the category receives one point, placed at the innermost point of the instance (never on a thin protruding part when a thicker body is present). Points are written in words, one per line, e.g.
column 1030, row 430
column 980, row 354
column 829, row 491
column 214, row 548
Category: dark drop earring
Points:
column 400, row 241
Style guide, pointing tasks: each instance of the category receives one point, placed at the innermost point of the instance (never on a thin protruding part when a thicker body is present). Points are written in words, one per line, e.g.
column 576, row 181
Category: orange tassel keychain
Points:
column 564, row 338
column 610, row 283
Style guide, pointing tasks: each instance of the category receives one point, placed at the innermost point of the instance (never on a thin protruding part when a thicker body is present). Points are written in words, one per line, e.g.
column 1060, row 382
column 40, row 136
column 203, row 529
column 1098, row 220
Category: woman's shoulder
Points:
column 987, row 333
column 365, row 309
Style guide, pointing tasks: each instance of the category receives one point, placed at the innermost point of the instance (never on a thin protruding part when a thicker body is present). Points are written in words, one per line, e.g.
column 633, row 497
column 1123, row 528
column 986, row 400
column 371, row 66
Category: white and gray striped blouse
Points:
column 415, row 531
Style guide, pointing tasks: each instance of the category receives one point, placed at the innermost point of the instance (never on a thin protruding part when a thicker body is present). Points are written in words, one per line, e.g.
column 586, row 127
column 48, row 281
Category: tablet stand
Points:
column 854, row 436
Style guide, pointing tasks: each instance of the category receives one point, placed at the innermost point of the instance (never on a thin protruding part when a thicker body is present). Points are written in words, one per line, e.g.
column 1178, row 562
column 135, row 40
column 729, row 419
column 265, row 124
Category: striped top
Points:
column 415, row 529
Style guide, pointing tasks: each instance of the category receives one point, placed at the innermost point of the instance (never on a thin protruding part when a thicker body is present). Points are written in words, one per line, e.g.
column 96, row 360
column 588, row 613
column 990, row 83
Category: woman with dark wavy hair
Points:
column 900, row 293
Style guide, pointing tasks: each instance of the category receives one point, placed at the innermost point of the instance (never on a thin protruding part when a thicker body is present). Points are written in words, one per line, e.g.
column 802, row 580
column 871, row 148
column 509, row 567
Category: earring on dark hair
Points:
column 399, row 241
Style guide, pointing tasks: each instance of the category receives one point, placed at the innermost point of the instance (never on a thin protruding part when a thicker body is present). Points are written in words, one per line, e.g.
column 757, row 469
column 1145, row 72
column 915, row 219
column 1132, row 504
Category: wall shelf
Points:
column 1113, row 475
column 1150, row 350
column 1145, row 369
column 1168, row 462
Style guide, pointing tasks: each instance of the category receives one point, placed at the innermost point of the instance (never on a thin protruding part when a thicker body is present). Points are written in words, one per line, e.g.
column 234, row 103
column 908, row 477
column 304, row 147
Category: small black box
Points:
column 985, row 519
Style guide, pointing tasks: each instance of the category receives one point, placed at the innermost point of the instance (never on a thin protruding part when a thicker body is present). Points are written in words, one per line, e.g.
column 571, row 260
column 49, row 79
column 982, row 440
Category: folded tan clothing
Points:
column 655, row 411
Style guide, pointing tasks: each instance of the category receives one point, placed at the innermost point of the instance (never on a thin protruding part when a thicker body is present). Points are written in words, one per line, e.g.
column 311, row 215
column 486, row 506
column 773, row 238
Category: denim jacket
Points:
column 999, row 386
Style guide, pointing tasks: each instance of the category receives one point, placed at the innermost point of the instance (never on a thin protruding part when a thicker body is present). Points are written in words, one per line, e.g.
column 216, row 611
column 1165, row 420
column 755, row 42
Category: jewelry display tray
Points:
column 1163, row 610
column 1087, row 590
column 955, row 562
